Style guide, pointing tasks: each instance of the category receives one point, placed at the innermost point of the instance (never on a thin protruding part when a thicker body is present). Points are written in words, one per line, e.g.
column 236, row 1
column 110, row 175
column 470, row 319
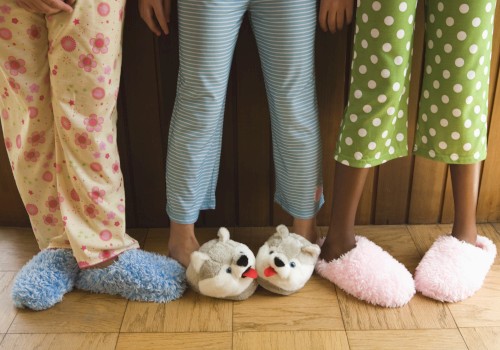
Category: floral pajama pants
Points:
column 59, row 78
column 454, row 95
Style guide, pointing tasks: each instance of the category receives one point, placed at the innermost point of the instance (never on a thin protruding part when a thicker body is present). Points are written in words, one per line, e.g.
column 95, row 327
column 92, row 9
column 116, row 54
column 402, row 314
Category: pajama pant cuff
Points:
column 183, row 219
column 369, row 163
column 92, row 262
column 303, row 215
column 445, row 158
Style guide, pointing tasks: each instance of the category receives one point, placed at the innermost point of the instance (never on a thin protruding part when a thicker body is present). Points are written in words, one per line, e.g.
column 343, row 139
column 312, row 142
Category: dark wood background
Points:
column 406, row 190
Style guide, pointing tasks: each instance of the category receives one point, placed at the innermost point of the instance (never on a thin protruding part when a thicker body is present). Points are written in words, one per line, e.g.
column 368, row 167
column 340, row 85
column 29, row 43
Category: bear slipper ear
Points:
column 283, row 230
column 223, row 234
column 198, row 259
column 313, row 249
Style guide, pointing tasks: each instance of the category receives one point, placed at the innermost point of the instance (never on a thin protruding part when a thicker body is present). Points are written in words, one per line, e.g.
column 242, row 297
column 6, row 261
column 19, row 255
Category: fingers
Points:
column 160, row 16
column 48, row 7
column 58, row 5
column 147, row 16
column 323, row 15
column 340, row 20
column 332, row 21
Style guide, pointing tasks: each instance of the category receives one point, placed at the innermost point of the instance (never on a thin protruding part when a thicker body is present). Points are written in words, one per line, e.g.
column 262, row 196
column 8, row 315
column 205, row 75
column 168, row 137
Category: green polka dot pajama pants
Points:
column 453, row 107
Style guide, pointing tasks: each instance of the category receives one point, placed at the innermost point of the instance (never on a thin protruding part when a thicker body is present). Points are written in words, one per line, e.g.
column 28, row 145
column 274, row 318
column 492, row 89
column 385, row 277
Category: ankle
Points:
column 182, row 242
column 336, row 245
column 306, row 228
column 466, row 232
column 467, row 236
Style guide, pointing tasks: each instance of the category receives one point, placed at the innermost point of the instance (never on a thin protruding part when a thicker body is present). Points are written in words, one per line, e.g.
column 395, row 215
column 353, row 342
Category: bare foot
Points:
column 306, row 228
column 182, row 242
column 337, row 244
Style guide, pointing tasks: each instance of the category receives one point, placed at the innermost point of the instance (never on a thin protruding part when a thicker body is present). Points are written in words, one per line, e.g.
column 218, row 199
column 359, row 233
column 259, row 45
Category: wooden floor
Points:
column 318, row 317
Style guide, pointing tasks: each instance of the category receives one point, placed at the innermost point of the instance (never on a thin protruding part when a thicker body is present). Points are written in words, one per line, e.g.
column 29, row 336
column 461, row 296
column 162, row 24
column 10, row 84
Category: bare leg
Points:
column 347, row 189
column 182, row 242
column 465, row 183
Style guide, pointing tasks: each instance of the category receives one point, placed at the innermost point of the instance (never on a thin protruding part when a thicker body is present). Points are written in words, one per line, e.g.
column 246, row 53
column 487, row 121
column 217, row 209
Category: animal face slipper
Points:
column 223, row 268
column 286, row 262
column 453, row 270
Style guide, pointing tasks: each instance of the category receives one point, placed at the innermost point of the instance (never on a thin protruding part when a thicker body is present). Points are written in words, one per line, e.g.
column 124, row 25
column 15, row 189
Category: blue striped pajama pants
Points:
column 208, row 30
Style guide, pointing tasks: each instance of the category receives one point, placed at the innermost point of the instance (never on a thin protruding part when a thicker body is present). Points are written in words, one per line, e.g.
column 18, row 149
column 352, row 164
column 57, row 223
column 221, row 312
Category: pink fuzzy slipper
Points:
column 453, row 270
column 371, row 274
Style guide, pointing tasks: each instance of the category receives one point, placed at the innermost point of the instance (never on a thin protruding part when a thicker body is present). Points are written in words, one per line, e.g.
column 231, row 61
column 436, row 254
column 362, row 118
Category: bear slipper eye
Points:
column 292, row 264
column 272, row 251
column 228, row 270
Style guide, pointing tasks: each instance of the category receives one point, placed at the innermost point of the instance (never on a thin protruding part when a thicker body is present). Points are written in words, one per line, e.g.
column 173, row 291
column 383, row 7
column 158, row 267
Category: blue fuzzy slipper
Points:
column 44, row 280
column 137, row 275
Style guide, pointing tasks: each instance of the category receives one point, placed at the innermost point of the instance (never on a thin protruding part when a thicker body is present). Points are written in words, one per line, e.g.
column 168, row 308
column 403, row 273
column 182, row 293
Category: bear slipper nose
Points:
column 278, row 262
column 242, row 261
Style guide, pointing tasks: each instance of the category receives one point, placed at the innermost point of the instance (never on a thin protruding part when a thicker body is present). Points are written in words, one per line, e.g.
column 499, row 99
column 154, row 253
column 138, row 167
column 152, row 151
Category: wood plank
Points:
column 79, row 312
column 483, row 308
column 488, row 204
column 253, row 237
column 125, row 160
column 192, row 313
column 290, row 340
column 101, row 341
column 185, row 341
column 425, row 235
column 496, row 226
column 481, row 338
column 444, row 339
column 428, row 184
column 332, row 67
column 315, row 307
column 12, row 211
column 489, row 192
column 395, row 177
column 139, row 234
column 17, row 246
column 420, row 313
column 495, row 59
column 140, row 93
column 7, row 310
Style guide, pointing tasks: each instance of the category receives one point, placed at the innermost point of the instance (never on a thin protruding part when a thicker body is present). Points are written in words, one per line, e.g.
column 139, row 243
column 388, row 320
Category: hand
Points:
column 47, row 7
column 155, row 12
column 334, row 14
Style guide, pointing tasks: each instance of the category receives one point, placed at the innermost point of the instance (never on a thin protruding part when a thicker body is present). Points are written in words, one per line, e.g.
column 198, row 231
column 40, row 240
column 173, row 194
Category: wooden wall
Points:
column 406, row 190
